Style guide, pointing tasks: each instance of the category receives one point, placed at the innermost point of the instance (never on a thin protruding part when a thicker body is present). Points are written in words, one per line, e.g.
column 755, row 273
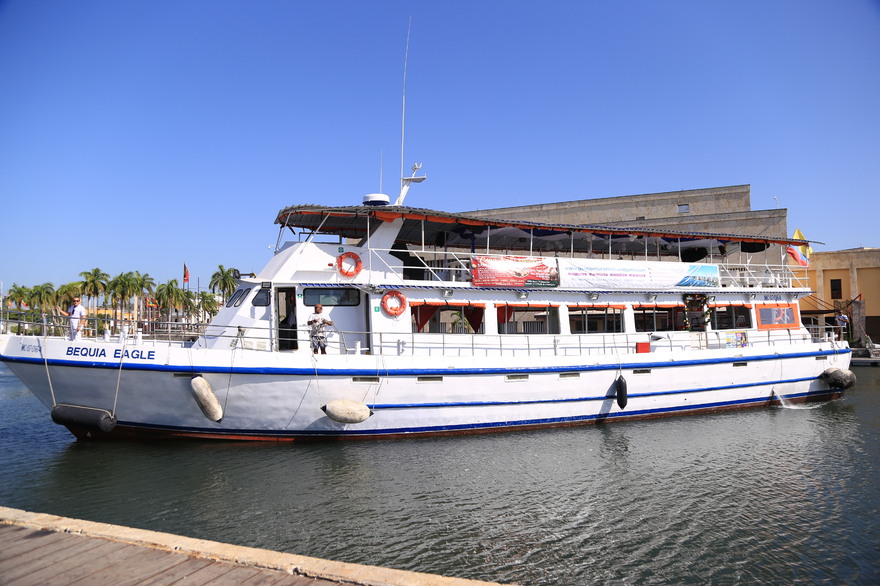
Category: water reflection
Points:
column 773, row 495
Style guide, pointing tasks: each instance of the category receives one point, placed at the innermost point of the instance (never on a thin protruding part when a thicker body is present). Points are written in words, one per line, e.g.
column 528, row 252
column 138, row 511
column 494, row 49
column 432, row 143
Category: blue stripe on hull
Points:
column 311, row 372
column 474, row 427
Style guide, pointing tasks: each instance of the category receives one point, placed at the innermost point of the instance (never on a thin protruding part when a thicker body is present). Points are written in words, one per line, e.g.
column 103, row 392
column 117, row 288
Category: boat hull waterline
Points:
column 272, row 401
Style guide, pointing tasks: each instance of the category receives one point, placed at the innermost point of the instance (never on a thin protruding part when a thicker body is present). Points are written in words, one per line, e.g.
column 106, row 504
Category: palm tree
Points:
column 121, row 288
column 170, row 296
column 208, row 305
column 94, row 285
column 43, row 297
column 143, row 285
column 224, row 281
column 19, row 295
column 68, row 291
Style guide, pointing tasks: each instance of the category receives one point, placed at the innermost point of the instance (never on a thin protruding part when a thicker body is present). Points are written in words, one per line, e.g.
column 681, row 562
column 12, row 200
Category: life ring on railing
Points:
column 358, row 265
column 393, row 310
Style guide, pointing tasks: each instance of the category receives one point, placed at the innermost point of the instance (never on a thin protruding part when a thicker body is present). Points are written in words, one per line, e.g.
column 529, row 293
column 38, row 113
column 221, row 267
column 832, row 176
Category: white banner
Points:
column 623, row 274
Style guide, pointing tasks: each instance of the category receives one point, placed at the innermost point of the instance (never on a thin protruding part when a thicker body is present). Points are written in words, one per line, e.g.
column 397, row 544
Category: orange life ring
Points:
column 393, row 310
column 358, row 265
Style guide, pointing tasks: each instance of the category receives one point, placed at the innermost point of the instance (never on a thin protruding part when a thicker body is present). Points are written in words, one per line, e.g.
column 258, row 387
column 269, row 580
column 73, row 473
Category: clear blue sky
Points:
column 142, row 135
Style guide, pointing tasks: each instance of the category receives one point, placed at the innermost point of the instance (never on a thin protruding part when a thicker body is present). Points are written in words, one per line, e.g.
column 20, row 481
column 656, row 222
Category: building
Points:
column 849, row 279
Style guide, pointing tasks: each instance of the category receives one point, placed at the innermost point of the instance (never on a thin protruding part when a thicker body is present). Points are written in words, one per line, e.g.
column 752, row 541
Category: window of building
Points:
column 836, row 289
column 684, row 208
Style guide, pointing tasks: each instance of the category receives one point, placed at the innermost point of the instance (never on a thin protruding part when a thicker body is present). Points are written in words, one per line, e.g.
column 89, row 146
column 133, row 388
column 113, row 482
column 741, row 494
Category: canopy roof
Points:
column 434, row 228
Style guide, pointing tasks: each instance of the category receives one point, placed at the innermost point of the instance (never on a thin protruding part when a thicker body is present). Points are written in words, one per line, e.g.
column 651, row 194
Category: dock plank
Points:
column 38, row 549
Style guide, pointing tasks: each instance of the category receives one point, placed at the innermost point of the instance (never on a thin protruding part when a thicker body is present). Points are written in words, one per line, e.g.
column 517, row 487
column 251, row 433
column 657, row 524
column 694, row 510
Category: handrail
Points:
column 454, row 266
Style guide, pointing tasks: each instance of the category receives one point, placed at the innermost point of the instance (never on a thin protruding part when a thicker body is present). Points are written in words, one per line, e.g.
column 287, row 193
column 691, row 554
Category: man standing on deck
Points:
column 77, row 315
column 318, row 334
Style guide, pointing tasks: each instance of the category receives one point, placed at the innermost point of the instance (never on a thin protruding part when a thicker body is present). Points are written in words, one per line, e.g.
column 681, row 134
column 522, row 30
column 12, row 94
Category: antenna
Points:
column 405, row 182
column 403, row 105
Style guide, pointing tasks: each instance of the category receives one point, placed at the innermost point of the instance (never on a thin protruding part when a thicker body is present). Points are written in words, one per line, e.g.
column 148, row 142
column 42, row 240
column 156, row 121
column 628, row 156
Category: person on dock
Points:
column 77, row 315
column 318, row 331
column 841, row 320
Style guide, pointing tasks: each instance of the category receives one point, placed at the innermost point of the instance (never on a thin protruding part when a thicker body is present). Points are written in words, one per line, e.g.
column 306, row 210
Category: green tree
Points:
column 20, row 296
column 143, row 286
column 224, row 282
column 94, row 284
column 208, row 305
column 44, row 297
column 67, row 292
column 170, row 296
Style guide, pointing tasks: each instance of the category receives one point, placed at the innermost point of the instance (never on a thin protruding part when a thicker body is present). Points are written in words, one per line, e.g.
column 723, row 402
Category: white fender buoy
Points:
column 206, row 399
column 837, row 378
column 345, row 411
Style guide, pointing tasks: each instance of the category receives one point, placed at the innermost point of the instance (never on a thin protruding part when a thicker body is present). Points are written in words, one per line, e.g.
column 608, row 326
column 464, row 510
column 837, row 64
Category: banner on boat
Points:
column 514, row 271
column 616, row 274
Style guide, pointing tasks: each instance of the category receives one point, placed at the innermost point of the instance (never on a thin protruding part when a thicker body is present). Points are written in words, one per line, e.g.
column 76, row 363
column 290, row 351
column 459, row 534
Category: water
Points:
column 774, row 495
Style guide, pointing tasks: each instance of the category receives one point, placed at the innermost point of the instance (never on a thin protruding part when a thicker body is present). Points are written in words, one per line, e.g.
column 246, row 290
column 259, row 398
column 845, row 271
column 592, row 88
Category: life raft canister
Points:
column 346, row 272
column 390, row 307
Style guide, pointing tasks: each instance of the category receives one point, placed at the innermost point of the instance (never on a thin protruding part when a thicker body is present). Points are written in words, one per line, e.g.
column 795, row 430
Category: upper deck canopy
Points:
column 424, row 227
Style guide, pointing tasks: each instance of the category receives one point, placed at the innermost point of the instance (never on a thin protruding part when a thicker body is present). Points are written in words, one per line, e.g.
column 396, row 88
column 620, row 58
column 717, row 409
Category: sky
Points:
column 142, row 136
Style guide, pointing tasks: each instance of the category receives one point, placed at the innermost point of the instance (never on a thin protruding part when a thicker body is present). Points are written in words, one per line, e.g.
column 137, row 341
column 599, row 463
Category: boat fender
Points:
column 205, row 398
column 620, row 386
column 345, row 411
column 352, row 272
column 393, row 309
column 837, row 378
column 85, row 417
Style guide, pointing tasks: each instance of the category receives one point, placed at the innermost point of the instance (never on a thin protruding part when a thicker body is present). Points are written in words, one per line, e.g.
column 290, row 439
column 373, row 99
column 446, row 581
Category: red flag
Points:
column 185, row 274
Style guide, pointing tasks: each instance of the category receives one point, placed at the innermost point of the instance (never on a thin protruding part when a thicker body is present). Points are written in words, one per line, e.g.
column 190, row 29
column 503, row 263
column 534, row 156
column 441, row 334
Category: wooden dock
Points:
column 864, row 361
column 45, row 549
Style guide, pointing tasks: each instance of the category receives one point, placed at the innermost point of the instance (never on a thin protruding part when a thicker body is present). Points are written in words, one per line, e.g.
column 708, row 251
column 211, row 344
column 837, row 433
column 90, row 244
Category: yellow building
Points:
column 847, row 279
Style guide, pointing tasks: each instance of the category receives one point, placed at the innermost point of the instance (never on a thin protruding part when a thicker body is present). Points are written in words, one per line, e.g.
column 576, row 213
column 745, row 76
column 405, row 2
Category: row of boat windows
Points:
column 581, row 320
column 532, row 320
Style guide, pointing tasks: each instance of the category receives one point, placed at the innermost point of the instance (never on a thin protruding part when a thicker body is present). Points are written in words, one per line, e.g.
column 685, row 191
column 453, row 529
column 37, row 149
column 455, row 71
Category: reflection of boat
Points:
column 434, row 333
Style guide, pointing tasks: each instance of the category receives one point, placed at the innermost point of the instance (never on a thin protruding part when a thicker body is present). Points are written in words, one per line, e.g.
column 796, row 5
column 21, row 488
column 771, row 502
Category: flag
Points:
column 185, row 274
column 800, row 254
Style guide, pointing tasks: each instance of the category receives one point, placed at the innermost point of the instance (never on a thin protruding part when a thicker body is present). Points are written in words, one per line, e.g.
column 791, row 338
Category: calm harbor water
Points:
column 773, row 495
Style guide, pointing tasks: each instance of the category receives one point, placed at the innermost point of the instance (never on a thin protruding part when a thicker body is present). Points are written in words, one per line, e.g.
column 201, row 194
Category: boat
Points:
column 443, row 323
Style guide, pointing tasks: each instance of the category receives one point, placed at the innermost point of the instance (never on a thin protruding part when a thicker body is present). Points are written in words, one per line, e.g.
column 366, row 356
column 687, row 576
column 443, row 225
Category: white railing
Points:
column 455, row 267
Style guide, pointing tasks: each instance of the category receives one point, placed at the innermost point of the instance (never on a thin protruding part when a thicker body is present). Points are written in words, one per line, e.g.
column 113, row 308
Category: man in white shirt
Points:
column 318, row 333
column 77, row 315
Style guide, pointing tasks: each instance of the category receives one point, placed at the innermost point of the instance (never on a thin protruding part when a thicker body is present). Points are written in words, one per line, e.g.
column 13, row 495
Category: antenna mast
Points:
column 403, row 105
column 405, row 182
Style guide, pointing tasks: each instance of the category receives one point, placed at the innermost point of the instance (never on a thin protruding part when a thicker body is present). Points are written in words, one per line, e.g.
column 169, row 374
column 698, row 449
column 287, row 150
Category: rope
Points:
column 46, row 361
column 124, row 340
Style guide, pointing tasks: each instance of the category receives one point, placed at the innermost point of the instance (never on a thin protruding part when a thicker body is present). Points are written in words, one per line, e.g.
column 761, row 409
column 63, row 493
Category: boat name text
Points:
column 117, row 353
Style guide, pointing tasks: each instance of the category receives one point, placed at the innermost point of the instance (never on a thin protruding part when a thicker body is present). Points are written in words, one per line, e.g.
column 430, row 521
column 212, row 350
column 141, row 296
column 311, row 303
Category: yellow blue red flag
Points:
column 800, row 254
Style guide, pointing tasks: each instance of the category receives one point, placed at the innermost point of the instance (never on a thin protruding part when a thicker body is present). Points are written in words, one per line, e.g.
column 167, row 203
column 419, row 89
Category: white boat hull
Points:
column 279, row 396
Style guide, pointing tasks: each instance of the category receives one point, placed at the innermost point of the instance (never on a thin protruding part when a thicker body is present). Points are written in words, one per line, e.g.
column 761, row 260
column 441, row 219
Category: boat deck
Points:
column 43, row 549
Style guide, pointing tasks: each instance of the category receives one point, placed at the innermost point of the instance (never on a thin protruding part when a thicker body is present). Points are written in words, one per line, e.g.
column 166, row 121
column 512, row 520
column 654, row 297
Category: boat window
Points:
column 236, row 297
column 261, row 299
column 331, row 296
column 778, row 316
column 592, row 320
column 447, row 319
column 651, row 318
column 527, row 320
column 242, row 297
column 730, row 317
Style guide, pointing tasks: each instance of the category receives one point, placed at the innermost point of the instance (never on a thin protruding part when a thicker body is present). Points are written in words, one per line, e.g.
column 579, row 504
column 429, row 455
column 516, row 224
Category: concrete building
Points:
column 846, row 278
column 721, row 210
column 850, row 280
